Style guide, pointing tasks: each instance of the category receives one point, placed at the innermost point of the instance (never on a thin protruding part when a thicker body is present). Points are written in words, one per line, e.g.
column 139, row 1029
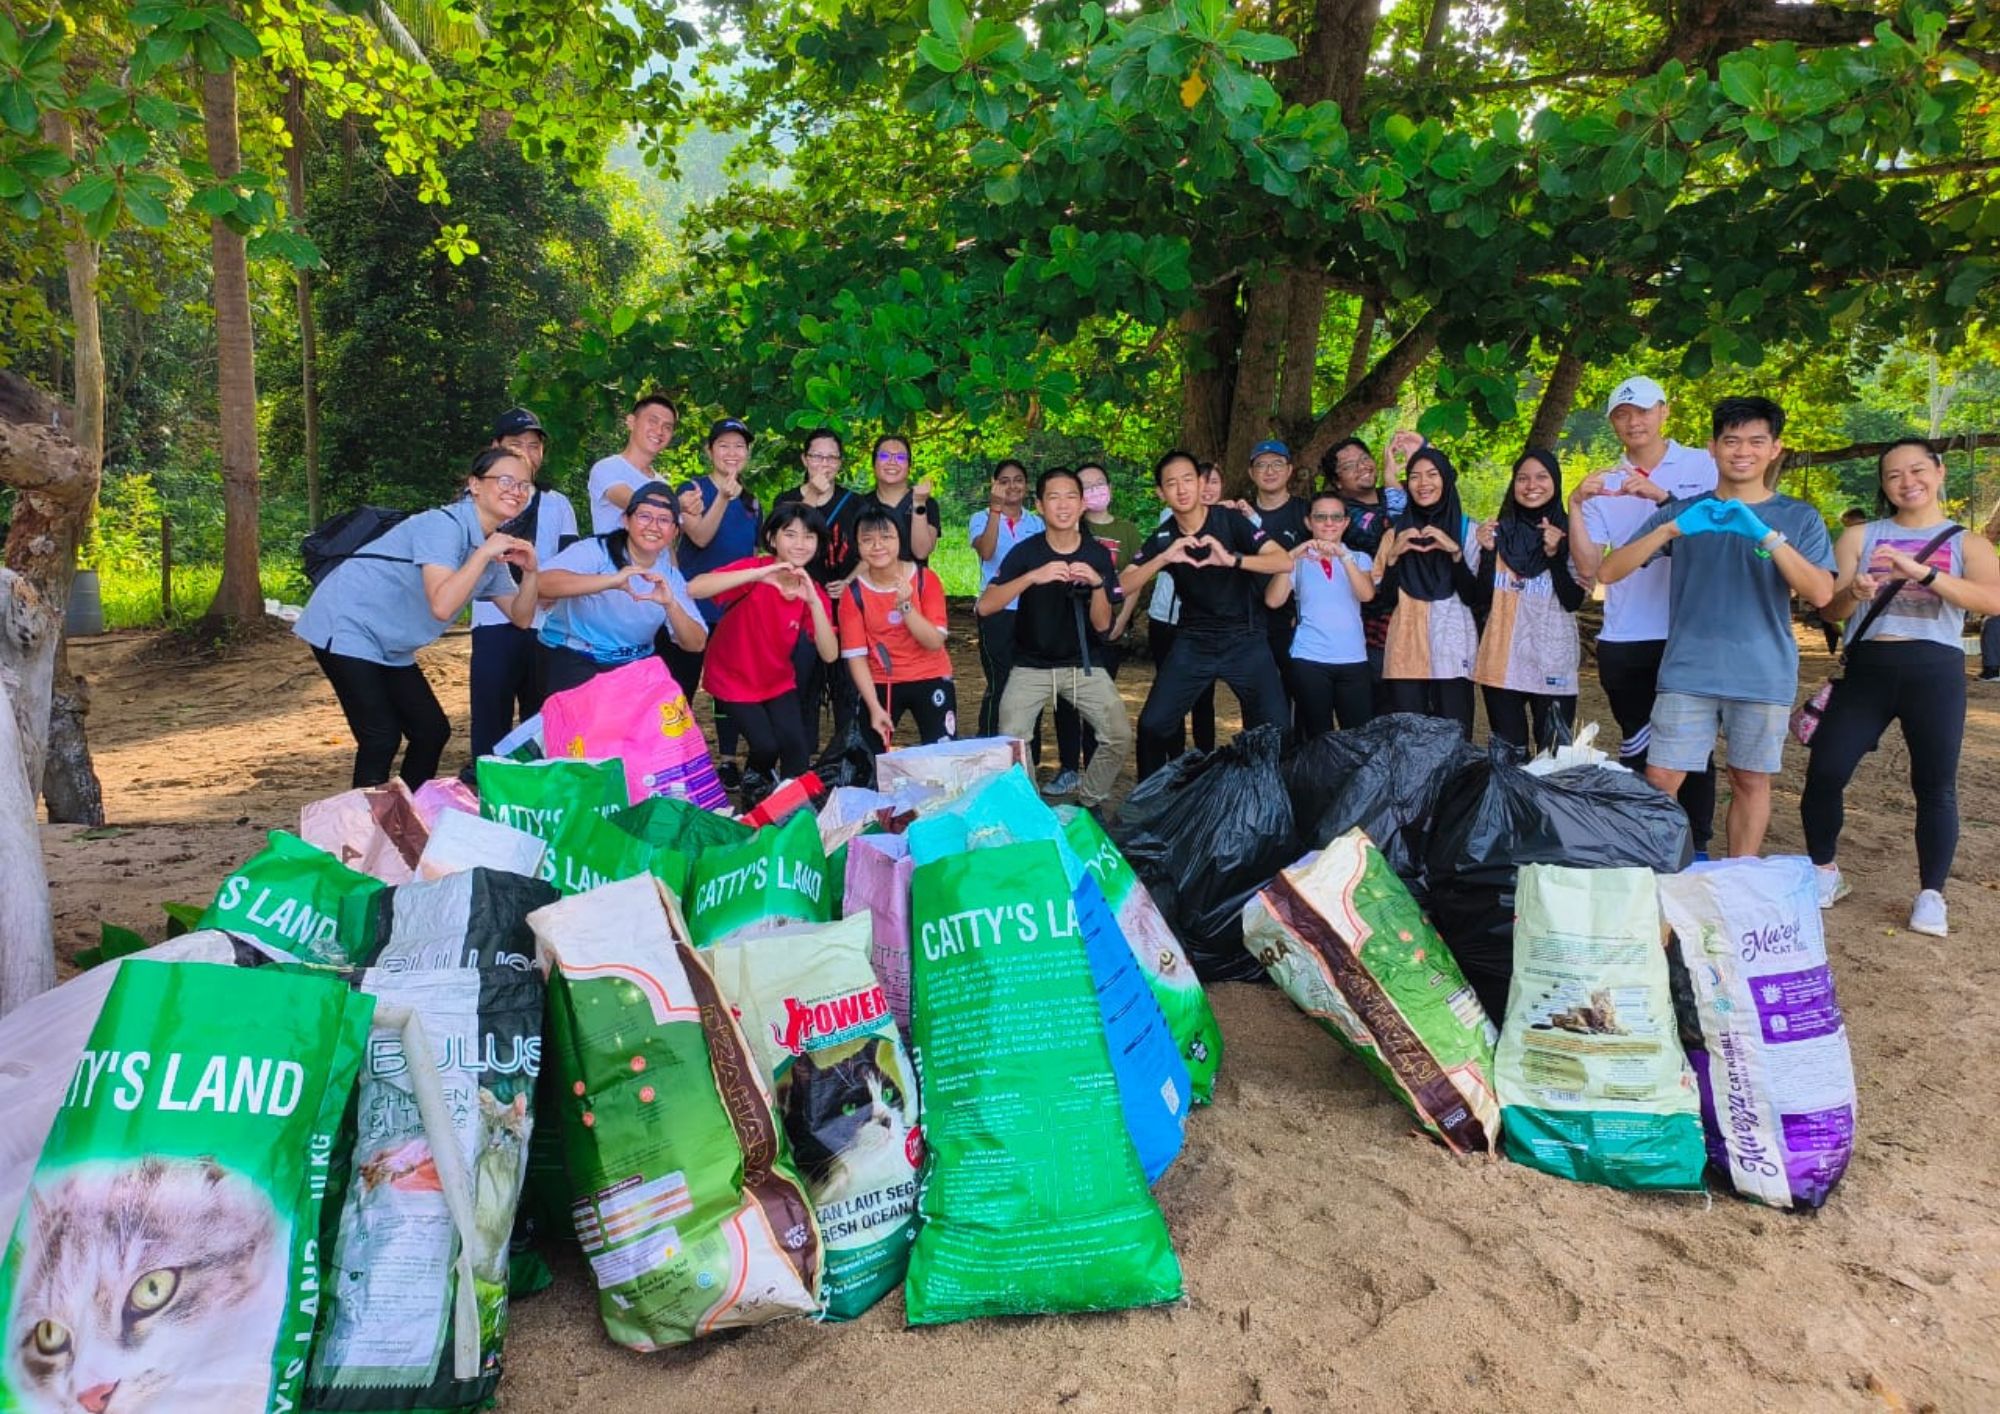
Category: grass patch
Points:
column 131, row 593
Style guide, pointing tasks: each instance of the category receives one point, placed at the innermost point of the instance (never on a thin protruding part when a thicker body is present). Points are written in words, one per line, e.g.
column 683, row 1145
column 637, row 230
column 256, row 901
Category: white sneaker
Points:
column 1832, row 886
column 1927, row 915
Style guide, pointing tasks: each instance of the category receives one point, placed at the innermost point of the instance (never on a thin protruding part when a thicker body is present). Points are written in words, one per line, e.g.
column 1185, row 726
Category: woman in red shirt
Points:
column 769, row 601
column 892, row 627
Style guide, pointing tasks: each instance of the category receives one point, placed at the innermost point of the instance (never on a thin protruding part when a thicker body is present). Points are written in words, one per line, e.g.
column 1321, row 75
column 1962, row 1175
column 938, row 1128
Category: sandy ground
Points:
column 1334, row 1258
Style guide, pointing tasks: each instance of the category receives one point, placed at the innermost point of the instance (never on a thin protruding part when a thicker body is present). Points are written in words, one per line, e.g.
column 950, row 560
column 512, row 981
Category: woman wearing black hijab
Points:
column 1528, row 652
column 1427, row 666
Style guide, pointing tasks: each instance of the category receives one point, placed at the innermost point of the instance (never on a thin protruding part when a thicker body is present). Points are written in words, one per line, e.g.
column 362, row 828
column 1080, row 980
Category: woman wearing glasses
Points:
column 830, row 568
column 371, row 613
column 1328, row 672
column 612, row 595
column 915, row 513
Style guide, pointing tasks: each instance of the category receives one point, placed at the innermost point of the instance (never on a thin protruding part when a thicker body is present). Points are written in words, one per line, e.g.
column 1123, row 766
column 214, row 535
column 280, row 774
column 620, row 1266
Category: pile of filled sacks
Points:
column 1521, row 951
column 753, row 1073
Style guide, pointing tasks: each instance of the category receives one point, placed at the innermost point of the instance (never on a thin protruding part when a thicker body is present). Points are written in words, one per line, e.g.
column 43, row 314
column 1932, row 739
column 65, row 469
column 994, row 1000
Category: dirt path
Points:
column 1333, row 1258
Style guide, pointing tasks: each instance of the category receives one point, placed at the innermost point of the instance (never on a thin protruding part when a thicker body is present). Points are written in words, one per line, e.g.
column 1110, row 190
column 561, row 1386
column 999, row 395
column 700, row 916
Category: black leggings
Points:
column 775, row 732
column 506, row 678
column 1323, row 691
column 1921, row 686
column 1508, row 713
column 1630, row 674
column 1449, row 698
column 386, row 707
column 996, row 656
column 1193, row 667
column 932, row 702
column 1160, row 641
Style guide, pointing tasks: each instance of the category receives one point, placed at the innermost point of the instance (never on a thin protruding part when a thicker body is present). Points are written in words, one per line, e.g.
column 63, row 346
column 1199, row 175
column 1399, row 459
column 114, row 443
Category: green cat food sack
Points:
column 667, row 823
column 166, row 1257
column 820, row 1026
column 1593, row 1083
column 297, row 898
column 1168, row 973
column 537, row 796
column 1341, row 936
column 687, row 1205
column 1032, row 1196
column 417, row 1289
column 777, row 876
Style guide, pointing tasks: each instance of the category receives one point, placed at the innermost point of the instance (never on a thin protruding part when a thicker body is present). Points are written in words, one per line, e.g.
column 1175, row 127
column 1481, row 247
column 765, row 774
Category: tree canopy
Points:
column 1292, row 209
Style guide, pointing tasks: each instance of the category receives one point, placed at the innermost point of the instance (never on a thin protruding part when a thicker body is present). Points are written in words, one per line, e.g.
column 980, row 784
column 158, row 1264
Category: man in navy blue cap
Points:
column 1273, row 509
column 506, row 668
column 719, row 523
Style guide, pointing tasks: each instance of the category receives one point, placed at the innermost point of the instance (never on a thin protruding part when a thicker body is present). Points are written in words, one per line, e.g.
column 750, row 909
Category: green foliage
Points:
column 416, row 349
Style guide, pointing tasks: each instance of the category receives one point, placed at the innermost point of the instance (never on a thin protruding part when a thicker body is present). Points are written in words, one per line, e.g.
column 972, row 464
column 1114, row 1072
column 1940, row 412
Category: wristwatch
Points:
column 1775, row 539
column 1930, row 578
column 903, row 608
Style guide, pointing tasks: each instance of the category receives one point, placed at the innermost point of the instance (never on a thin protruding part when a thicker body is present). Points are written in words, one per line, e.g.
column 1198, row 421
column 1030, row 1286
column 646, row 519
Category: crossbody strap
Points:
column 1887, row 592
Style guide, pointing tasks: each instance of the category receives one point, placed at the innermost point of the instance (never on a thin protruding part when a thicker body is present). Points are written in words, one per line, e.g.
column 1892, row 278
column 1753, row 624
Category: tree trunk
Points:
column 1374, row 390
column 69, row 780
column 1209, row 332
column 240, row 596
column 1364, row 341
column 1305, row 308
column 295, row 185
column 1560, row 396
column 27, row 929
column 1256, row 395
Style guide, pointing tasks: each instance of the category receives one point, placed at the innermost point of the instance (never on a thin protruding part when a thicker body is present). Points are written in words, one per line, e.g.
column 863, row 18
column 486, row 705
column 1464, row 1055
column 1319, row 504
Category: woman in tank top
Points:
column 1909, row 667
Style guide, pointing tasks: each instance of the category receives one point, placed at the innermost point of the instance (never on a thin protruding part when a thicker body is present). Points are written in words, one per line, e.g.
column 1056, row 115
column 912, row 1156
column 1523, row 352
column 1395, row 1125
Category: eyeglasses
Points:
column 660, row 522
column 509, row 484
column 833, row 457
column 893, row 458
column 1326, row 519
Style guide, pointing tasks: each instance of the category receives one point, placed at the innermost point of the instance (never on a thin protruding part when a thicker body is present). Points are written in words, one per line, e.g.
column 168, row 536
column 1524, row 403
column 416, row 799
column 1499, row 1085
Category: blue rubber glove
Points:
column 1698, row 519
column 1735, row 518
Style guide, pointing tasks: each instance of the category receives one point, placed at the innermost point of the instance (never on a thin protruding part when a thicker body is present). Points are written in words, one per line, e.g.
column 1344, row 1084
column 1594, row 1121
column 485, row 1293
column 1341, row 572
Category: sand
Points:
column 1335, row 1259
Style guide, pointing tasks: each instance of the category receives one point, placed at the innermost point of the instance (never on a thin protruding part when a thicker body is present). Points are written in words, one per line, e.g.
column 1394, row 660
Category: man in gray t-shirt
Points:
column 1737, row 555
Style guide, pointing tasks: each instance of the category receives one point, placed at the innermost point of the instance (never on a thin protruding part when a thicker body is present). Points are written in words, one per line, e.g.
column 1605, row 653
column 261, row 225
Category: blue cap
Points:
column 728, row 424
column 1276, row 447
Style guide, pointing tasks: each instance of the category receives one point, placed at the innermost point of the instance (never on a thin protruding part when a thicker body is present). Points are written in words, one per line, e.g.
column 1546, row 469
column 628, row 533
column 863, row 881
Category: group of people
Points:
column 1369, row 595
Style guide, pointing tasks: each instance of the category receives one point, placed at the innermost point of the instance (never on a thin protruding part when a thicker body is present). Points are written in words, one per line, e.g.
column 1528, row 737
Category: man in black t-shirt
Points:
column 1282, row 517
column 1068, row 594
column 1217, row 559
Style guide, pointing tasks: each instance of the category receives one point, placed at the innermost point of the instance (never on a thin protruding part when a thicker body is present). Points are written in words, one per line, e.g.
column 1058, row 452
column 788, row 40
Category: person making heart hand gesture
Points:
column 1427, row 665
column 1215, row 557
column 768, row 601
column 1528, row 650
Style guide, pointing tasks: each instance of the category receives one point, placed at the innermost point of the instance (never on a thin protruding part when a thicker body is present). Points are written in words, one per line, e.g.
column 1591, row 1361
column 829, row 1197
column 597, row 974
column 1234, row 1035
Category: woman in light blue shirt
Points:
column 374, row 609
column 609, row 596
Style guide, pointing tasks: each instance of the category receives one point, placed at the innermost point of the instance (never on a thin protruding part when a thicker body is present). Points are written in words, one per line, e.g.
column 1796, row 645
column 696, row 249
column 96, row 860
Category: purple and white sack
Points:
column 1776, row 1080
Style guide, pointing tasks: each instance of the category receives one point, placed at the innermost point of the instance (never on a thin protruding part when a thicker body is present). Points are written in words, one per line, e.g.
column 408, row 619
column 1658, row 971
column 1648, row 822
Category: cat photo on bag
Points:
column 849, row 1111
column 138, row 1283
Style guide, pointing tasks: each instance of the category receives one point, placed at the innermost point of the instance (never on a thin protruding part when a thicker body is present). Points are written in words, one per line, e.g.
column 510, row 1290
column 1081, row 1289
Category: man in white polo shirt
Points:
column 1613, row 504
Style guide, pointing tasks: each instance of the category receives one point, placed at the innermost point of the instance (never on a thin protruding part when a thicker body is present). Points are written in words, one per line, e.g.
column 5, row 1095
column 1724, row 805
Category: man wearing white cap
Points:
column 1613, row 504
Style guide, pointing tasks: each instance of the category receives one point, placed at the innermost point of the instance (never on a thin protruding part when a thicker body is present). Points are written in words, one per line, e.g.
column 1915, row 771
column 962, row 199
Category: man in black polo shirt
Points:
column 1067, row 592
column 1217, row 559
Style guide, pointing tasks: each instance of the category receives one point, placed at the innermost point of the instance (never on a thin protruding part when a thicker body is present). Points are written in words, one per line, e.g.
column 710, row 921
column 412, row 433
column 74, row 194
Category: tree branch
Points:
column 1376, row 389
column 1958, row 442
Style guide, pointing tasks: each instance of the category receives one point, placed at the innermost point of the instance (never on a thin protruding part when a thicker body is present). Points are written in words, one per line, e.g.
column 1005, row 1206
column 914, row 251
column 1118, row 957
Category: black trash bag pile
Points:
column 1383, row 778
column 1203, row 834
column 849, row 759
column 1494, row 816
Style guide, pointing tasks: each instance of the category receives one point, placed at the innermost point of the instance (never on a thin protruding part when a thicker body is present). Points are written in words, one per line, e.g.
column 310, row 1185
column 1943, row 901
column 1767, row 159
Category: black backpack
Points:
column 344, row 538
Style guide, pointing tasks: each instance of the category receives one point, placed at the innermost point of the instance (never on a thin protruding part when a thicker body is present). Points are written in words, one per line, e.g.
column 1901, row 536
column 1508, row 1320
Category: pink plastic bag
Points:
column 638, row 714
column 442, row 793
column 375, row 831
column 878, row 879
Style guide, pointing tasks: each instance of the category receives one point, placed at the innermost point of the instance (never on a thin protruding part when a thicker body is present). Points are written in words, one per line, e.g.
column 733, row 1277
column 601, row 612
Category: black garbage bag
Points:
column 849, row 759
column 1204, row 833
column 1494, row 817
column 1383, row 778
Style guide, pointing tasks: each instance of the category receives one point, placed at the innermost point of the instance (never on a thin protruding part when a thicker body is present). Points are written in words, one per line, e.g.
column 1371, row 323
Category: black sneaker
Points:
column 729, row 774
column 1990, row 675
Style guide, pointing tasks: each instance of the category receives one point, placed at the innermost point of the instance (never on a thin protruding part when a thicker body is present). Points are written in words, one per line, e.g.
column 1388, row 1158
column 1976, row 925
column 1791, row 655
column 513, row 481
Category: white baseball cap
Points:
column 1641, row 392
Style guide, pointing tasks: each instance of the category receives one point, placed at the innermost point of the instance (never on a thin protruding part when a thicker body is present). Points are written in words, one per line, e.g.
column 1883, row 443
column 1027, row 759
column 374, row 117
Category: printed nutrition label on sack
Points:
column 628, row 1264
column 629, row 1210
